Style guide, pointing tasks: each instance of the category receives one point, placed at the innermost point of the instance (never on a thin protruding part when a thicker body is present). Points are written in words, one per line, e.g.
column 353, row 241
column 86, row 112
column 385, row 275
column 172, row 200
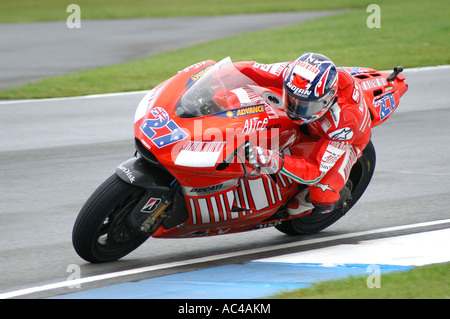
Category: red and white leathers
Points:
column 329, row 146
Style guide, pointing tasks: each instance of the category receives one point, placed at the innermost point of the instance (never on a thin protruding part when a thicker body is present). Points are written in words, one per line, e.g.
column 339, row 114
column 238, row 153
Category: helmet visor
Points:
column 305, row 109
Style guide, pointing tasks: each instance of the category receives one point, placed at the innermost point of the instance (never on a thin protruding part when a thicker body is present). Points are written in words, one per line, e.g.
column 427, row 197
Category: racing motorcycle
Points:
column 190, row 175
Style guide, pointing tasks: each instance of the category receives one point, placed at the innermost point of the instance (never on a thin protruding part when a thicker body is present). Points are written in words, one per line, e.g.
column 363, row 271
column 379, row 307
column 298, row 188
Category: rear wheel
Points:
column 101, row 232
column 359, row 179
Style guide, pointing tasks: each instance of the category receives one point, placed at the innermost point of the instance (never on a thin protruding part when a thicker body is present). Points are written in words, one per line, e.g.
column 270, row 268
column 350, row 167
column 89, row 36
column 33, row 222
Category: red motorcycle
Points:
column 190, row 174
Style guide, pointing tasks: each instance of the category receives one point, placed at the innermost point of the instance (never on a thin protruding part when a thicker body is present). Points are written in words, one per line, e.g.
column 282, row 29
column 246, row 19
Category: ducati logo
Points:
column 151, row 205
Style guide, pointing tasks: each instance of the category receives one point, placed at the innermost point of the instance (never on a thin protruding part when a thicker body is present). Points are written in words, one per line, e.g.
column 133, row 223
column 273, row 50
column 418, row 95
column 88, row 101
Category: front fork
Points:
column 159, row 187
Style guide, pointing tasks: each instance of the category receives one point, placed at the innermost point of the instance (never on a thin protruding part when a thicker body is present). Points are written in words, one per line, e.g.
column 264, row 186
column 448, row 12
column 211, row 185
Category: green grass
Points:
column 411, row 34
column 427, row 282
column 48, row 10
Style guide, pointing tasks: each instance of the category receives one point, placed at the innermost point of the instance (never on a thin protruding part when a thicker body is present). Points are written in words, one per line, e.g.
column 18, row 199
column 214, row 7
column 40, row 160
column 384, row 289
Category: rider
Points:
column 335, row 126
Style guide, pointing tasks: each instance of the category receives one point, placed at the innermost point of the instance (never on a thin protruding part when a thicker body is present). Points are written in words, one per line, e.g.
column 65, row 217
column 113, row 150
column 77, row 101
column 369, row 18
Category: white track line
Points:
column 411, row 172
column 135, row 271
column 93, row 96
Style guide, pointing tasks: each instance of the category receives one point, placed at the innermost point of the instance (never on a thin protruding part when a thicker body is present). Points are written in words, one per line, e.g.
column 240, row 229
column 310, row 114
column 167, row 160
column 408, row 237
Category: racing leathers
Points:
column 329, row 146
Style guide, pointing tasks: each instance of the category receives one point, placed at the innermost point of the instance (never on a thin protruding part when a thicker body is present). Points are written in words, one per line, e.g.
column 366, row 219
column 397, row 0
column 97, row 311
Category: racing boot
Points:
column 300, row 203
column 342, row 204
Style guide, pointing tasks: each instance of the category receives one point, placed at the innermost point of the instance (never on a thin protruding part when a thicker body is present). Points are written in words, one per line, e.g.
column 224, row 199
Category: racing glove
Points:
column 268, row 161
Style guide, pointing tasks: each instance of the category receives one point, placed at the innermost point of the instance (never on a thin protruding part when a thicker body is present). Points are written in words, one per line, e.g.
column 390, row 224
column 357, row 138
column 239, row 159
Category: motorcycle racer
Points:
column 334, row 123
column 184, row 180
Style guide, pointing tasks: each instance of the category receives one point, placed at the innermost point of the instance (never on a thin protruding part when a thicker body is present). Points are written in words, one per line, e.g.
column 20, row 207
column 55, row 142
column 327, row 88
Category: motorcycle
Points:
column 190, row 175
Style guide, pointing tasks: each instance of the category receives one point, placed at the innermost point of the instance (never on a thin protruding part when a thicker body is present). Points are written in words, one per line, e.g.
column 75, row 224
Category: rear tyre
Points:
column 100, row 232
column 359, row 179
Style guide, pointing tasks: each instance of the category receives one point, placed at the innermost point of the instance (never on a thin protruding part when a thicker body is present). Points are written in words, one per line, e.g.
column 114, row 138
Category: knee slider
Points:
column 323, row 209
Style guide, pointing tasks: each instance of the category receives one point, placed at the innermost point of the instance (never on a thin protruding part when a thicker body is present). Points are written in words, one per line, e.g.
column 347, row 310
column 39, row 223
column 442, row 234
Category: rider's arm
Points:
column 310, row 170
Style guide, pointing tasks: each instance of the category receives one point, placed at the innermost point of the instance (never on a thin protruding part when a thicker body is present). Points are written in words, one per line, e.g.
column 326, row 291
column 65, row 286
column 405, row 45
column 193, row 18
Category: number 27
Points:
column 150, row 127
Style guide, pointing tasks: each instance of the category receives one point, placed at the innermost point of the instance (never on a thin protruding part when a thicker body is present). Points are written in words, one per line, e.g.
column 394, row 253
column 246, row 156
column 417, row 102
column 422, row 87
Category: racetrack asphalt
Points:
column 32, row 51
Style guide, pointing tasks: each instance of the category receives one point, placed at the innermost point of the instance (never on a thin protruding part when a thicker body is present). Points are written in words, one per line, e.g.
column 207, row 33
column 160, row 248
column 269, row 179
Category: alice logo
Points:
column 74, row 19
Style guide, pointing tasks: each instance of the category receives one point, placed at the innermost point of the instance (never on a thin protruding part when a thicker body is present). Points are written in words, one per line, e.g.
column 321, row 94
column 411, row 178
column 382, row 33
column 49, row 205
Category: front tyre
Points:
column 100, row 232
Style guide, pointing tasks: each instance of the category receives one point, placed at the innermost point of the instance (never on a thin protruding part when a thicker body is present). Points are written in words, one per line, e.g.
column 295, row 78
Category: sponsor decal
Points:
column 271, row 113
column 306, row 70
column 211, row 189
column 199, row 154
column 298, row 91
column 247, row 97
column 275, row 68
column 199, row 146
column 324, row 187
column 332, row 154
column 197, row 76
column 342, row 134
column 374, row 83
column 254, row 124
column 207, row 189
column 162, row 130
column 386, row 104
column 151, row 205
column 267, row 225
column 248, row 110
column 127, row 172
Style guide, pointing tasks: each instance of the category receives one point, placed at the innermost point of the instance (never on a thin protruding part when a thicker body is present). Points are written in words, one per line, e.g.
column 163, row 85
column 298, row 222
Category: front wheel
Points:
column 101, row 232
column 359, row 179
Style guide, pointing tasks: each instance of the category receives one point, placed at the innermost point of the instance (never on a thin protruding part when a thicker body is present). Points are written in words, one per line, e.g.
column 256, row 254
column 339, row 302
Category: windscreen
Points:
column 210, row 93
